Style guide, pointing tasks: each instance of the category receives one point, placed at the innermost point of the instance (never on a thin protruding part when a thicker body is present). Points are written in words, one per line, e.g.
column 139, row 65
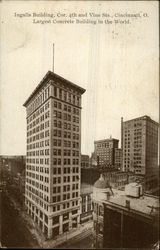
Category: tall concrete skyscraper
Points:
column 52, row 188
column 140, row 145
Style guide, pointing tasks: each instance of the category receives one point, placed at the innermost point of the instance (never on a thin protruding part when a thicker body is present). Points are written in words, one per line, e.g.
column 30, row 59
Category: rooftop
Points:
column 145, row 204
column 145, row 117
column 102, row 183
column 52, row 76
column 86, row 188
column 106, row 140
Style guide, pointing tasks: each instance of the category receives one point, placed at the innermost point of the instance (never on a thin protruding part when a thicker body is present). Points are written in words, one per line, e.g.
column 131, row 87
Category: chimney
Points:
column 128, row 204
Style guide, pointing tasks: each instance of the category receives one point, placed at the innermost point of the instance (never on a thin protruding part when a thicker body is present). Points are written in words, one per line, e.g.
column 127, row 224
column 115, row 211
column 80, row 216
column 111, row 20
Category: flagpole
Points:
column 53, row 58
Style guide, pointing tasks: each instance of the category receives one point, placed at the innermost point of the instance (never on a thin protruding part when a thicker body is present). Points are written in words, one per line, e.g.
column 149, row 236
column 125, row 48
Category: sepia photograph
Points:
column 79, row 124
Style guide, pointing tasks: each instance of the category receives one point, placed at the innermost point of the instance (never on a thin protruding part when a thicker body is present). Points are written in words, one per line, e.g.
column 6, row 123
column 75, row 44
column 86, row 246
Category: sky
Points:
column 117, row 65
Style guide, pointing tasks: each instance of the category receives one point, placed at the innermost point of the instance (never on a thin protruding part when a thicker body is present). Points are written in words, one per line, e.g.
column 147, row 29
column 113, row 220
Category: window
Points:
column 55, row 91
column 60, row 93
column 69, row 108
column 69, row 97
column 59, row 105
column 65, row 95
column 54, row 199
column 55, row 220
column 66, row 216
column 55, row 104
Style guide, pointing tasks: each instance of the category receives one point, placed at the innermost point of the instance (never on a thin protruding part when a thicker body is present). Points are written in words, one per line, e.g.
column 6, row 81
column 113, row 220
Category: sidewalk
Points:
column 68, row 236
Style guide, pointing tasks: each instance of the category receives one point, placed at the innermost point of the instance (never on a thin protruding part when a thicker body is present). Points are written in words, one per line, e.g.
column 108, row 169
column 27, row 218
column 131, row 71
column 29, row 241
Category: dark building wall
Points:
column 122, row 230
column 84, row 161
column 151, row 147
column 89, row 176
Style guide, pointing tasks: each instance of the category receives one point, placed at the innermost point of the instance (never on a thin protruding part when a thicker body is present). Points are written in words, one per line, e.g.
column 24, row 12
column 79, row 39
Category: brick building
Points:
column 105, row 152
column 140, row 145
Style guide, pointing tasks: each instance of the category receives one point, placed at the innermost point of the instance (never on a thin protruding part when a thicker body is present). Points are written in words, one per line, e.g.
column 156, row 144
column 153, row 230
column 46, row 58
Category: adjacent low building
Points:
column 117, row 179
column 86, row 203
column 124, row 219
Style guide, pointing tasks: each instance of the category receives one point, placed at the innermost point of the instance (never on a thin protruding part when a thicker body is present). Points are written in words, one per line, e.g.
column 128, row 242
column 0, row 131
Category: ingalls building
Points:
column 52, row 188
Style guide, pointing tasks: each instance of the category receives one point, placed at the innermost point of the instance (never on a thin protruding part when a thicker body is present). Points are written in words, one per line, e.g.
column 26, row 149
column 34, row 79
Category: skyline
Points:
column 114, row 64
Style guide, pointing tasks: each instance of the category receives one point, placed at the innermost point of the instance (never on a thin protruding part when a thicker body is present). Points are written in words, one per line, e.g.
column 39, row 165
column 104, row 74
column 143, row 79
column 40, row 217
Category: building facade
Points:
column 86, row 203
column 140, row 145
column 53, row 161
column 85, row 161
column 116, row 179
column 105, row 151
column 118, row 158
column 93, row 160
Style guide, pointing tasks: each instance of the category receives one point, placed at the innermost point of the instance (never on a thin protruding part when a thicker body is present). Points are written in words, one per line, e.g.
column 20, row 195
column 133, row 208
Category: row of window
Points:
column 38, row 169
column 37, row 177
column 38, row 136
column 38, row 128
column 38, row 161
column 104, row 145
column 67, row 196
column 66, row 161
column 65, row 206
column 65, row 170
column 38, row 100
column 56, row 142
column 38, row 152
column 67, row 108
column 38, row 120
column 37, row 185
column 37, row 193
column 66, row 96
column 57, row 180
column 57, row 189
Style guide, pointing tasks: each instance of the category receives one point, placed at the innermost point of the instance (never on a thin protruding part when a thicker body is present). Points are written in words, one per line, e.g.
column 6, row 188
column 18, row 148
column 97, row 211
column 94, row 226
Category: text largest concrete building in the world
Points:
column 52, row 190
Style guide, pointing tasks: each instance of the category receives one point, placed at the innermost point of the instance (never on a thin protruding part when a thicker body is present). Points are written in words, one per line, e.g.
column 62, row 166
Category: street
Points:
column 14, row 232
column 81, row 241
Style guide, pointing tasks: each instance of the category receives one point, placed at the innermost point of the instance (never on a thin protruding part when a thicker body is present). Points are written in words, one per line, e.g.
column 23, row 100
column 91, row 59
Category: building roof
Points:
column 106, row 140
column 84, row 155
column 52, row 76
column 145, row 117
column 146, row 204
column 86, row 188
column 101, row 183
